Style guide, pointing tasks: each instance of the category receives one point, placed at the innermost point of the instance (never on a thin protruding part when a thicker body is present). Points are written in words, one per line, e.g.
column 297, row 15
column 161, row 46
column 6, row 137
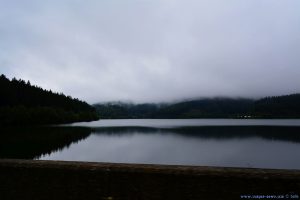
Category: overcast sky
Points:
column 153, row 50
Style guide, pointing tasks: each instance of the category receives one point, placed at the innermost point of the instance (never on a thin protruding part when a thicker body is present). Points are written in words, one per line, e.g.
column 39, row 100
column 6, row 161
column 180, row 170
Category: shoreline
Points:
column 36, row 179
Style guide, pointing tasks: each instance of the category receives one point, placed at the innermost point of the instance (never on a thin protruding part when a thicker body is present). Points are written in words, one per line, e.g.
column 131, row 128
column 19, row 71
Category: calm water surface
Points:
column 173, row 123
column 213, row 142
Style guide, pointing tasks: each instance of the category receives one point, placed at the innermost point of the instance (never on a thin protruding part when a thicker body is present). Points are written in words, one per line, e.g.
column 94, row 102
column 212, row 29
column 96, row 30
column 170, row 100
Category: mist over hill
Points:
column 24, row 104
column 287, row 106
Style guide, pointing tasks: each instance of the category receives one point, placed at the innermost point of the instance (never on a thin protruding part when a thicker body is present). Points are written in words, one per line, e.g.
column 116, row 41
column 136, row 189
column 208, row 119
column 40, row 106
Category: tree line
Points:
column 287, row 106
column 24, row 104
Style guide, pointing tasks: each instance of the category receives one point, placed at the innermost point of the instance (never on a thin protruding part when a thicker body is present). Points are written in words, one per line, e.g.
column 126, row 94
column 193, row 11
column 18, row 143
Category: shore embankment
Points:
column 31, row 179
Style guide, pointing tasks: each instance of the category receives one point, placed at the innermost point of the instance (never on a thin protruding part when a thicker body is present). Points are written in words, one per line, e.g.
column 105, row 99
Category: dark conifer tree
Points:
column 24, row 104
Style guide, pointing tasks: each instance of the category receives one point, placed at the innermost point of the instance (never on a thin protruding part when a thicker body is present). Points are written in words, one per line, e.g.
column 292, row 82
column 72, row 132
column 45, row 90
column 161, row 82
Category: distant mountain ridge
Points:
column 287, row 106
column 24, row 104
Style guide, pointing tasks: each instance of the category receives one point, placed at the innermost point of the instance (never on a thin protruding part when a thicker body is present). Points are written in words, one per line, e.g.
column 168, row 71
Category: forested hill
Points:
column 287, row 106
column 207, row 108
column 24, row 104
column 270, row 107
column 203, row 108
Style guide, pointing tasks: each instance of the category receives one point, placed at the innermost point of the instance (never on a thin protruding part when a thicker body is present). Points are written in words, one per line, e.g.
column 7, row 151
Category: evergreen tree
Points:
column 24, row 104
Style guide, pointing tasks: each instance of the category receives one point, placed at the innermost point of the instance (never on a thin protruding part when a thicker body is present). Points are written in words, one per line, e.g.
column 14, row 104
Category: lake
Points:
column 255, row 143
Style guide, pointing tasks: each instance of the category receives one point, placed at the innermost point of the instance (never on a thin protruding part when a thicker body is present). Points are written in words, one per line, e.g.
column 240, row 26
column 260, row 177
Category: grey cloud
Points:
column 156, row 50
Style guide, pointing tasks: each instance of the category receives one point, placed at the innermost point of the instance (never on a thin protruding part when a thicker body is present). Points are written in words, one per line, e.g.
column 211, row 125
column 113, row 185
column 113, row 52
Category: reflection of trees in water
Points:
column 29, row 143
column 280, row 133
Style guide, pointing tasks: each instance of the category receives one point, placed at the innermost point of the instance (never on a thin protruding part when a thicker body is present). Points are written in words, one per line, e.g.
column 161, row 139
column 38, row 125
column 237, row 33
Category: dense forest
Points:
column 119, row 110
column 287, row 106
column 270, row 107
column 207, row 108
column 24, row 104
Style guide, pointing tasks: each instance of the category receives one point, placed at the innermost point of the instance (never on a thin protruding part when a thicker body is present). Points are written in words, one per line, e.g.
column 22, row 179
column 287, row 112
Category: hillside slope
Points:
column 24, row 104
column 287, row 106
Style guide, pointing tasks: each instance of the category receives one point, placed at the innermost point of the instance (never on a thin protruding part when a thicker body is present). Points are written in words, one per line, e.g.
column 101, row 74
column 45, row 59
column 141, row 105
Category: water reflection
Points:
column 290, row 133
column 234, row 146
column 34, row 142
column 262, row 147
